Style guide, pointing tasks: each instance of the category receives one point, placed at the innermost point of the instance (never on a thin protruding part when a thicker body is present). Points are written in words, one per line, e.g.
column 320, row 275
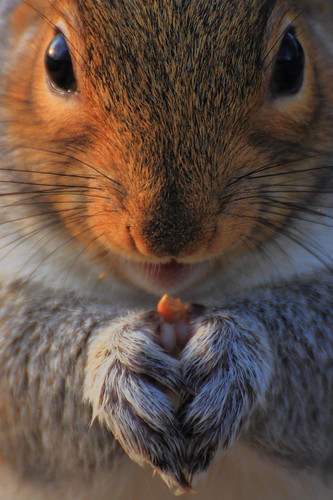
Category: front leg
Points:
column 264, row 365
column 128, row 380
column 227, row 367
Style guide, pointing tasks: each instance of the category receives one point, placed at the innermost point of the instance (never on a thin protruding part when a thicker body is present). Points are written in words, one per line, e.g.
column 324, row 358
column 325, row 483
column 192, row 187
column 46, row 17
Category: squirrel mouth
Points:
column 169, row 276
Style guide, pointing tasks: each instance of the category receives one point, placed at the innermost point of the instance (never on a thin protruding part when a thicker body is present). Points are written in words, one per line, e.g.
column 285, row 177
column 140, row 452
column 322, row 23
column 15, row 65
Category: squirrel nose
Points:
column 175, row 236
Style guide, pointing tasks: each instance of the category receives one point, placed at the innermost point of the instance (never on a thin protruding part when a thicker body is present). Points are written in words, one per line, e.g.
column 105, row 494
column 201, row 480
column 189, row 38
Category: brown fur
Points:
column 143, row 161
column 173, row 147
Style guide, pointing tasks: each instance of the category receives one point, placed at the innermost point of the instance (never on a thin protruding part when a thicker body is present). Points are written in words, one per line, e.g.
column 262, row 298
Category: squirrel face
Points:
column 169, row 131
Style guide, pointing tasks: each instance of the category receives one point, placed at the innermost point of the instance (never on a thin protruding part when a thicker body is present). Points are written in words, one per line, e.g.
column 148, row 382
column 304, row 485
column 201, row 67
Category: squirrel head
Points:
column 170, row 131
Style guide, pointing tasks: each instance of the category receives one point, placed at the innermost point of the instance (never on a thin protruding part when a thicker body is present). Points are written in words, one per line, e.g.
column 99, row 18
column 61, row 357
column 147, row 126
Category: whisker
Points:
column 297, row 217
column 279, row 39
column 117, row 186
column 259, row 196
column 43, row 172
column 310, row 246
column 84, row 249
column 54, row 192
column 50, row 23
column 25, row 237
column 59, row 247
column 73, row 158
column 276, row 165
column 55, row 225
column 43, row 184
column 299, row 208
column 291, row 172
column 42, row 214
column 262, row 250
column 27, row 202
column 39, row 228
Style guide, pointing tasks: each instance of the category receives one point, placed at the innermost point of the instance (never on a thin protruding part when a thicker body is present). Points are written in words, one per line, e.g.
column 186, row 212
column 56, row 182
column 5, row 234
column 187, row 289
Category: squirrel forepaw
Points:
column 128, row 380
column 221, row 376
column 226, row 368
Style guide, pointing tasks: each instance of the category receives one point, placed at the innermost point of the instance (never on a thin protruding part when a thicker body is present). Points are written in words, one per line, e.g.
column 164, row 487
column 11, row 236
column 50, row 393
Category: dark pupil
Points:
column 59, row 65
column 289, row 66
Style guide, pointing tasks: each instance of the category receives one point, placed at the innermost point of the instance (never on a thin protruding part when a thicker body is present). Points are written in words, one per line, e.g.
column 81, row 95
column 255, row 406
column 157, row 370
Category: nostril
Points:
column 173, row 236
column 133, row 240
column 163, row 239
column 128, row 228
column 141, row 244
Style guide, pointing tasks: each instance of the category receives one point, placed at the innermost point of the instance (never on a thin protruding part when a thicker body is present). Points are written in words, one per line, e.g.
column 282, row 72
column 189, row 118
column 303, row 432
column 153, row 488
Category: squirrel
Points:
column 181, row 147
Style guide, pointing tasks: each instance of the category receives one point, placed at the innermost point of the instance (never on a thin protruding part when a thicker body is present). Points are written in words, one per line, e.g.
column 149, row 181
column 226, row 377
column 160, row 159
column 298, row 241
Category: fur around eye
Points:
column 59, row 67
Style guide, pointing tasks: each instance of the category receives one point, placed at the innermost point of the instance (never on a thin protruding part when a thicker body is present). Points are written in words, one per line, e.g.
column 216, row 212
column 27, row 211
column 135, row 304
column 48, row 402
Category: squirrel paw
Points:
column 226, row 369
column 128, row 379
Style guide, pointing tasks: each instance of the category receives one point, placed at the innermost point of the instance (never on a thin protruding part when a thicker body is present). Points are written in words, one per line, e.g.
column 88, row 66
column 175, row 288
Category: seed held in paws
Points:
column 174, row 331
column 172, row 310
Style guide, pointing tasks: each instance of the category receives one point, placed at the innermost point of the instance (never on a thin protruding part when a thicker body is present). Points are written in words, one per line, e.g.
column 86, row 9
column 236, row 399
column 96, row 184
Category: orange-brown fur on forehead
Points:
column 160, row 54
column 171, row 111
column 174, row 78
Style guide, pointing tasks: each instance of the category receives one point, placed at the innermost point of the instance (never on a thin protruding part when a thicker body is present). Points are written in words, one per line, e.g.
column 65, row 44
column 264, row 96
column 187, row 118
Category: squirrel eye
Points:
column 59, row 66
column 288, row 73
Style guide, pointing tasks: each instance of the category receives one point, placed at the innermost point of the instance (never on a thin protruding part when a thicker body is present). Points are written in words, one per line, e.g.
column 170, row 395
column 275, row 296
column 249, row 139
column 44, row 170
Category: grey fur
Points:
column 261, row 367
column 79, row 372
